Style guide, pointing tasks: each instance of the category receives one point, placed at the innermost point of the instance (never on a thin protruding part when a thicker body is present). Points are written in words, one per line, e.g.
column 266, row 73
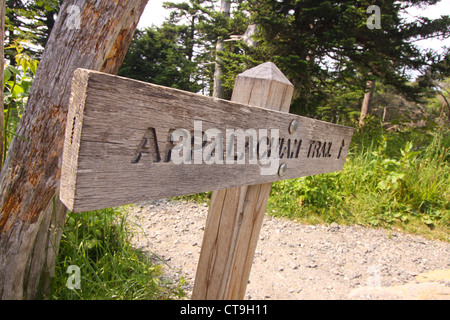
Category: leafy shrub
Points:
column 17, row 83
column 390, row 179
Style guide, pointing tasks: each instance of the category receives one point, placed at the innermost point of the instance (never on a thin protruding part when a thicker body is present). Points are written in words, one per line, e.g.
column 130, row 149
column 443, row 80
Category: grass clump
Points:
column 392, row 179
column 110, row 268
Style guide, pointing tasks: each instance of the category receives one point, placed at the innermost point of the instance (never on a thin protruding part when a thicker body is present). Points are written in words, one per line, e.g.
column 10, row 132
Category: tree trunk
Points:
column 365, row 110
column 2, row 63
column 443, row 106
column 218, row 86
column 441, row 93
column 87, row 34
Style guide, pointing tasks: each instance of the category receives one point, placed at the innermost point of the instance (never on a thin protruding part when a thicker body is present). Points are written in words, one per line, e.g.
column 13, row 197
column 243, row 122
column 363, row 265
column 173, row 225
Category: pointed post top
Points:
column 264, row 86
column 266, row 71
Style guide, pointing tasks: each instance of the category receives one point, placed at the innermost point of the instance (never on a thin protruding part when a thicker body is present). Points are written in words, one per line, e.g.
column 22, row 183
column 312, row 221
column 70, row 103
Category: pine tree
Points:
column 29, row 21
column 183, row 52
column 322, row 45
column 162, row 55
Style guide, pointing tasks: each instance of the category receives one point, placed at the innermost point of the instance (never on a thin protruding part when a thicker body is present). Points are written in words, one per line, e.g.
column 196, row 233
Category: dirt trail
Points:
column 295, row 261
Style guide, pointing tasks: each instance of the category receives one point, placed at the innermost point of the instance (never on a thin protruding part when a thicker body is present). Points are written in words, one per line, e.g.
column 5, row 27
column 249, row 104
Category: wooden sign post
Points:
column 236, row 214
column 128, row 141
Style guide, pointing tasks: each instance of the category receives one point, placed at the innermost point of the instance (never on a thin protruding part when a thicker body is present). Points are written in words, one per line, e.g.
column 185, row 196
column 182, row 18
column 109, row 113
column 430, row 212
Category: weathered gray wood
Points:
column 236, row 214
column 111, row 158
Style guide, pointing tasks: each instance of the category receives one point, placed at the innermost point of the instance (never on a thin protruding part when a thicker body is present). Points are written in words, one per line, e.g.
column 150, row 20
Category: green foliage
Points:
column 111, row 269
column 234, row 61
column 197, row 26
column 158, row 55
column 325, row 47
column 204, row 197
column 396, row 179
column 29, row 21
column 182, row 52
column 18, row 79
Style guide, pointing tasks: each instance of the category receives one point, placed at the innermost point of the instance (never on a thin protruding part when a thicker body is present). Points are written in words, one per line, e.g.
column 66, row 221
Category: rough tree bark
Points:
column 441, row 93
column 88, row 34
column 443, row 106
column 367, row 102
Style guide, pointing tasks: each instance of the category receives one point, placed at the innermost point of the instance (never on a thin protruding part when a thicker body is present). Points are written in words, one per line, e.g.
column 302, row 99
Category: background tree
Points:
column 323, row 45
column 218, row 90
column 437, row 78
column 191, row 19
column 202, row 26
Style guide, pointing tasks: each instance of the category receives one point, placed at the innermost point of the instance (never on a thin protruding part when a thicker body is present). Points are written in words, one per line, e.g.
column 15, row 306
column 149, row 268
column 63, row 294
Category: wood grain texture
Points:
column 236, row 215
column 118, row 140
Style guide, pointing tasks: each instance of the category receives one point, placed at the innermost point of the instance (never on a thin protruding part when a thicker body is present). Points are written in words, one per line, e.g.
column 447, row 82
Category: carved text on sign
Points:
column 232, row 147
column 177, row 143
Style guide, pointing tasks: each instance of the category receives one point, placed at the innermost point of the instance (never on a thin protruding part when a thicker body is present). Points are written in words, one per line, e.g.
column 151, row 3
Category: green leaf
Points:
column 13, row 69
column 25, row 64
column 7, row 97
column 15, row 135
column 10, row 84
column 17, row 90
column 382, row 185
column 6, row 76
column 33, row 66
column 26, row 83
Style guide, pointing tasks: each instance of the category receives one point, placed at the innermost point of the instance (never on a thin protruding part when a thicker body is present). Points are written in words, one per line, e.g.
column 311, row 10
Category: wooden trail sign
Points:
column 128, row 141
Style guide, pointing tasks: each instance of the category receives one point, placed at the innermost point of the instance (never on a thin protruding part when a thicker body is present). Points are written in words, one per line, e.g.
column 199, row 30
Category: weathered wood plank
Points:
column 223, row 272
column 118, row 147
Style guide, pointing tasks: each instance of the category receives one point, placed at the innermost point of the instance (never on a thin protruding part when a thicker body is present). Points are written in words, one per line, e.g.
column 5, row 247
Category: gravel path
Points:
column 295, row 261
